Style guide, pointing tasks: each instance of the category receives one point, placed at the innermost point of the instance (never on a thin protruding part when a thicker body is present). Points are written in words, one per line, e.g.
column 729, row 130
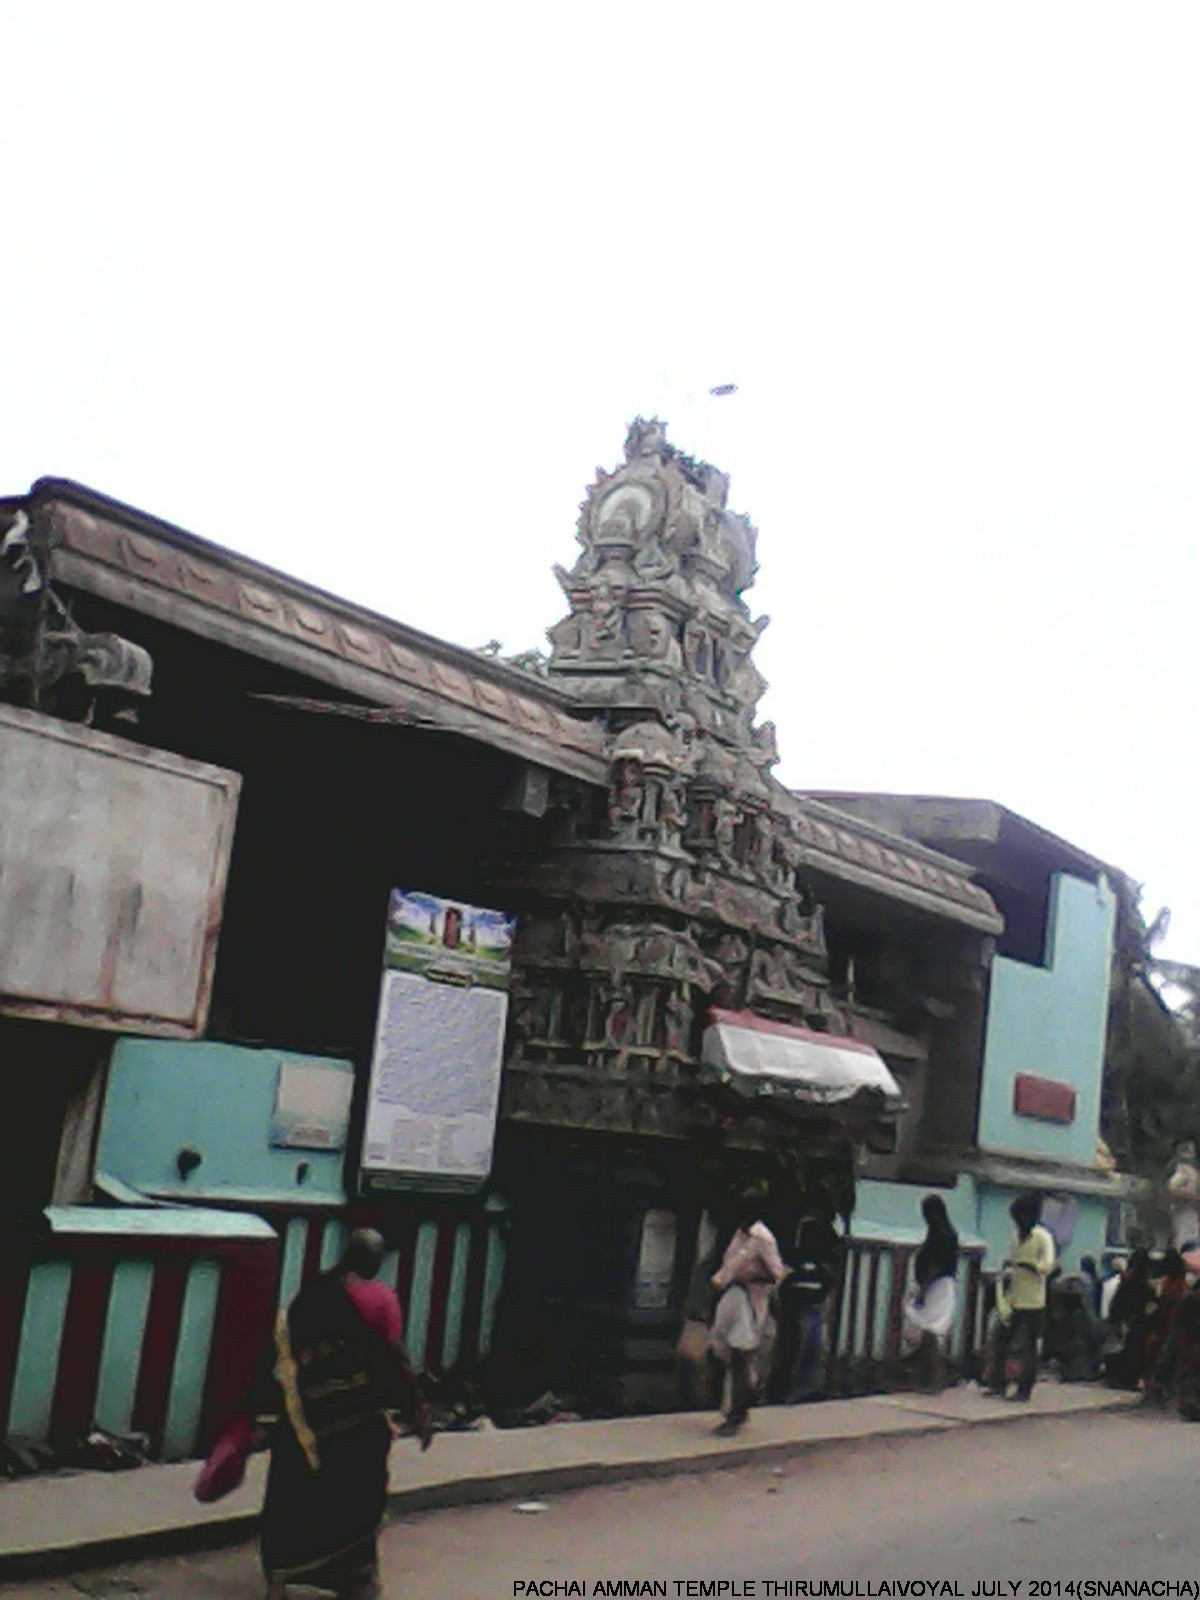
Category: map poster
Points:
column 439, row 1044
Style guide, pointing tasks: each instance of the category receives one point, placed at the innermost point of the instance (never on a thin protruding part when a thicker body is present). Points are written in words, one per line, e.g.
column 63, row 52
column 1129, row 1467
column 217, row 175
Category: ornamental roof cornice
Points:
column 140, row 562
column 137, row 561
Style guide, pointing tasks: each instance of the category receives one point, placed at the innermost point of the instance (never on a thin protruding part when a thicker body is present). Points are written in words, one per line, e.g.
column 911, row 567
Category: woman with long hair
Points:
column 1159, row 1357
column 931, row 1305
column 1128, row 1314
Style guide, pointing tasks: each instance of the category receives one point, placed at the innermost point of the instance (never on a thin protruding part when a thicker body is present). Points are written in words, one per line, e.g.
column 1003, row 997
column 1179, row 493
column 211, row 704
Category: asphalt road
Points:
column 1112, row 1496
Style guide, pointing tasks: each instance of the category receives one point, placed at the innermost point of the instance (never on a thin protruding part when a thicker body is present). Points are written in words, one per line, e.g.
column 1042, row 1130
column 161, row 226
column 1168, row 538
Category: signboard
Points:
column 113, row 860
column 312, row 1106
column 1043, row 1098
column 656, row 1262
column 439, row 1044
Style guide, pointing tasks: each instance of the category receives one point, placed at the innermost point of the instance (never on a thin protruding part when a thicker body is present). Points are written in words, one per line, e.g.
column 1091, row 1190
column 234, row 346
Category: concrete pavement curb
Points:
column 183, row 1538
column 488, row 1489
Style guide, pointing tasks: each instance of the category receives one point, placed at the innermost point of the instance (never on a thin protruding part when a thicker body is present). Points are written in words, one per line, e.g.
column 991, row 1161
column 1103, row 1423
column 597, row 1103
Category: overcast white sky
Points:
column 367, row 292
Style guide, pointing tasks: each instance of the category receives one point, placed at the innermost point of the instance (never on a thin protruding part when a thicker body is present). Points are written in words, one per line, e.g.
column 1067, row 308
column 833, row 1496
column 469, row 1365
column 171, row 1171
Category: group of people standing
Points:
column 753, row 1278
column 1016, row 1325
column 931, row 1307
column 1153, row 1328
column 1138, row 1328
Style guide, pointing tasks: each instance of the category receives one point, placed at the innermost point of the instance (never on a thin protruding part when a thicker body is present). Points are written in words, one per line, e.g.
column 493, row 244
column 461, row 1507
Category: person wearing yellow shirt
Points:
column 1021, row 1297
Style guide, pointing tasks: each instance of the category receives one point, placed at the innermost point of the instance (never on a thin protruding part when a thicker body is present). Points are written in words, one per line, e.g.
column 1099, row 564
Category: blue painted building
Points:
column 1037, row 1077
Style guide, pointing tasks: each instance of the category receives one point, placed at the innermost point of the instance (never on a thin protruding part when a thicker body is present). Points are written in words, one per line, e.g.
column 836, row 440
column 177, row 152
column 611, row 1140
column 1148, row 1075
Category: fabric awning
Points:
column 773, row 1061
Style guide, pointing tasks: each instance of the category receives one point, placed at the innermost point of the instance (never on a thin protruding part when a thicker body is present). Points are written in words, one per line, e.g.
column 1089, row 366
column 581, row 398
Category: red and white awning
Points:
column 764, row 1060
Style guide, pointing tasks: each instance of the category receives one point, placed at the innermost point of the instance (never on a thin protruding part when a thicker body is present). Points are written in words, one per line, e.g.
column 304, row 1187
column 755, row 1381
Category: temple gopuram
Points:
column 719, row 984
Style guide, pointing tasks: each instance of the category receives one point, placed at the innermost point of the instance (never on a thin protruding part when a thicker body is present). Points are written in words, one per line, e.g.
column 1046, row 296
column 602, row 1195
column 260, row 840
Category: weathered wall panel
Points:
column 113, row 860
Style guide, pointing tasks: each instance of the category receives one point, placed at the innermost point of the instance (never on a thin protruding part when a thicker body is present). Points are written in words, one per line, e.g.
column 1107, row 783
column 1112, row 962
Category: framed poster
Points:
column 434, row 1088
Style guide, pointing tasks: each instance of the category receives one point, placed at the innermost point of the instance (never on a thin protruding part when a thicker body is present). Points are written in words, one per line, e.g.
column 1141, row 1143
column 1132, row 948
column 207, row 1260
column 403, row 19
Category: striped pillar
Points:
column 456, row 1296
column 121, row 1351
column 35, row 1377
column 421, row 1294
column 185, row 1397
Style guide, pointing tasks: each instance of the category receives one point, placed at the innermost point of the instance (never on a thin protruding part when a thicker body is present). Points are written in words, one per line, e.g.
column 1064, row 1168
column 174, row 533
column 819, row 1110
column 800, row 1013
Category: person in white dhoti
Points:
column 931, row 1305
column 750, row 1271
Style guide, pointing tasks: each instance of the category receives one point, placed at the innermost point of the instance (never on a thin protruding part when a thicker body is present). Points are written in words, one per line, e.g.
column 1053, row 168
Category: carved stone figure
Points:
column 746, row 684
column 695, row 648
column 702, row 819
column 807, row 928
column 645, row 438
column 672, row 809
column 677, row 1023
column 618, row 1020
column 651, row 635
column 700, row 708
column 628, row 793
column 1183, row 1196
column 591, row 937
column 653, row 564
column 785, row 858
column 764, row 745
column 724, row 827
column 778, row 970
column 606, row 624
column 566, row 637
column 680, row 887
column 730, row 957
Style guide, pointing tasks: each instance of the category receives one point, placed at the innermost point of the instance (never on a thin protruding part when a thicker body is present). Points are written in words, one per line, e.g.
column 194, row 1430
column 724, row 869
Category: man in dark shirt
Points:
column 817, row 1261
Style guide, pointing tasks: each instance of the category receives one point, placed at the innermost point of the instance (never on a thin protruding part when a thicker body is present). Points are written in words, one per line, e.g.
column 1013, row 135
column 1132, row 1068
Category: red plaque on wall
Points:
column 1043, row 1098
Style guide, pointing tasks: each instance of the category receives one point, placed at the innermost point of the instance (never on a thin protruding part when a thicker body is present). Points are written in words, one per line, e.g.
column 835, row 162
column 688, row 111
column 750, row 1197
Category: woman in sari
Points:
column 1187, row 1338
column 1160, row 1355
column 341, row 1367
column 1128, row 1316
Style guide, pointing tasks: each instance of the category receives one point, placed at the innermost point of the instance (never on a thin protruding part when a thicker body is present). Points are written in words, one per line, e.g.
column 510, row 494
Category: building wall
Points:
column 892, row 1211
column 1049, row 1021
column 217, row 1100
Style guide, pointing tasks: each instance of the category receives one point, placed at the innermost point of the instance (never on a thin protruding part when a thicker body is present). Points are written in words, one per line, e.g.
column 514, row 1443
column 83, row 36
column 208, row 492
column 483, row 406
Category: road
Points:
column 1109, row 1496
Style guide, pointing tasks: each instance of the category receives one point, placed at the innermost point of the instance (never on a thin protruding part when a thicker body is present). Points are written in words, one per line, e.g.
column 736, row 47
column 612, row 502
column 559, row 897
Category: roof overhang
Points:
column 1014, row 1169
column 130, row 559
column 989, row 836
column 776, row 1063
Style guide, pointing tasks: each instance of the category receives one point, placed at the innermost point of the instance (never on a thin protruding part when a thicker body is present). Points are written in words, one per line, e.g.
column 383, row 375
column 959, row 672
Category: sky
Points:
column 368, row 292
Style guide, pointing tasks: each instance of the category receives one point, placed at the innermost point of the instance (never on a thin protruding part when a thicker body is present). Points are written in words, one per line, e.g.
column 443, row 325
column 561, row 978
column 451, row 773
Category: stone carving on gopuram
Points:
column 679, row 889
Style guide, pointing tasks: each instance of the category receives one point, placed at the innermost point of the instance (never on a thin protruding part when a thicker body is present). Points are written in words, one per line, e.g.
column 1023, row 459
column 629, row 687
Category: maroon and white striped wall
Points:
column 149, row 1319
column 140, row 1321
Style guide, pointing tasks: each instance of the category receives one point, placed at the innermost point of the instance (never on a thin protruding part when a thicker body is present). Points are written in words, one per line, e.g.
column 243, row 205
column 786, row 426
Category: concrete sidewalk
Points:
column 66, row 1521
